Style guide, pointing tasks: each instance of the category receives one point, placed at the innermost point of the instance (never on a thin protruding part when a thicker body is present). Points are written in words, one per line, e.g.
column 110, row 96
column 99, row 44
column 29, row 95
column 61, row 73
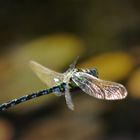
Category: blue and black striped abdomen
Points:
column 59, row 88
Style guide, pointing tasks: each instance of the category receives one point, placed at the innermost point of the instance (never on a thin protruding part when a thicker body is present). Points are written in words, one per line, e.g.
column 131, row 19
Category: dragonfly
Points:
column 61, row 84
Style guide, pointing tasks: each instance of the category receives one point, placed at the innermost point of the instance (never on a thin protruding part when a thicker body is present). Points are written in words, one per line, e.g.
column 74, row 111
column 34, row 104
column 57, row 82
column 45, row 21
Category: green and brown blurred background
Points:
column 105, row 34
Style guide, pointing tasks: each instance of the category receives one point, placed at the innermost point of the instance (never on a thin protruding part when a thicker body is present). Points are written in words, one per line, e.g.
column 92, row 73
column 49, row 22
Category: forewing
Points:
column 72, row 66
column 98, row 88
column 48, row 76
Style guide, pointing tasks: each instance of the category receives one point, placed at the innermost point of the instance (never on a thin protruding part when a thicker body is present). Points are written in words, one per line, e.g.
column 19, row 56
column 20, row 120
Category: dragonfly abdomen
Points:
column 59, row 88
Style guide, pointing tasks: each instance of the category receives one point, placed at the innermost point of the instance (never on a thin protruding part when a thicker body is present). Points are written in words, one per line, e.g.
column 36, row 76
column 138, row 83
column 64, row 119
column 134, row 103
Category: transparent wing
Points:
column 68, row 98
column 98, row 88
column 48, row 76
column 72, row 66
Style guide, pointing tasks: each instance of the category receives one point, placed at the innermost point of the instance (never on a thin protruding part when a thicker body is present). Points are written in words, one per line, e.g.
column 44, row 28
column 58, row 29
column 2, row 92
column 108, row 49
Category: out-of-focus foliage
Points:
column 64, row 46
column 134, row 84
column 113, row 66
column 6, row 130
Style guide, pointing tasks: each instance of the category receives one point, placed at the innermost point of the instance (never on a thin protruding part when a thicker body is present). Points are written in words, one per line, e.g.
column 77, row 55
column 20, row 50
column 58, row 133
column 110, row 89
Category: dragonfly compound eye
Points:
column 93, row 72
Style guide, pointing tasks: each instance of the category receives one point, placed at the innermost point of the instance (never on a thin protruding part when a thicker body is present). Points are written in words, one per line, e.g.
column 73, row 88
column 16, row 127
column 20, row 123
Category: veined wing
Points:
column 68, row 98
column 48, row 76
column 98, row 88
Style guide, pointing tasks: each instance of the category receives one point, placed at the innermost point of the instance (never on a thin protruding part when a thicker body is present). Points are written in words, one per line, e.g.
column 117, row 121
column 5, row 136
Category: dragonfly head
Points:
column 92, row 71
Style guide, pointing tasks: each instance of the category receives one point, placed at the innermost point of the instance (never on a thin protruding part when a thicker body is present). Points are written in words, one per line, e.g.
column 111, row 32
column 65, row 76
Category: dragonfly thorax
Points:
column 68, row 75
